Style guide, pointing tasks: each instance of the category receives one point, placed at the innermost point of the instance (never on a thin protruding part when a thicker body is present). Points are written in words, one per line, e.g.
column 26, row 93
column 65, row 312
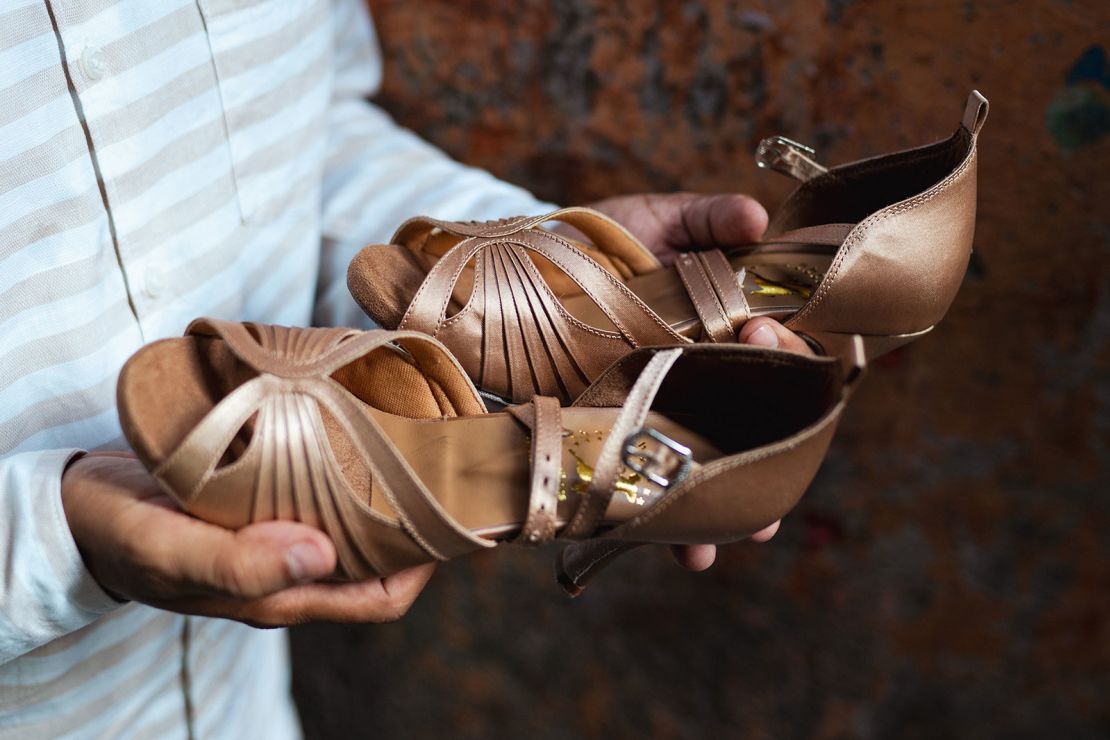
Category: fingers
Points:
column 378, row 600
column 765, row 332
column 678, row 222
column 720, row 221
column 767, row 533
column 257, row 560
column 695, row 558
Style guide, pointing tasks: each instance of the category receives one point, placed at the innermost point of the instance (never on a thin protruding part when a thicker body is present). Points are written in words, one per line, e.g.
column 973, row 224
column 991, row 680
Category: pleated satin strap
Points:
column 634, row 320
column 530, row 343
column 292, row 484
column 526, row 333
column 295, row 461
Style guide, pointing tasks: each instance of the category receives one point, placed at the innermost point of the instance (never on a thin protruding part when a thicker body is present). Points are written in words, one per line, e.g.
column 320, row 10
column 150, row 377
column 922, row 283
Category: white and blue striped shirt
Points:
column 161, row 160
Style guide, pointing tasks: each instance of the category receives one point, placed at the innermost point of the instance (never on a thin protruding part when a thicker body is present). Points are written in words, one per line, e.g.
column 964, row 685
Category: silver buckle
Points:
column 772, row 152
column 642, row 460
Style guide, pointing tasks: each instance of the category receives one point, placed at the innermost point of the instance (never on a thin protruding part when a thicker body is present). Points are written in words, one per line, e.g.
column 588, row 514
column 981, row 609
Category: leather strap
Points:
column 289, row 352
column 187, row 469
column 975, row 113
column 544, row 417
column 285, row 351
column 714, row 289
column 727, row 286
column 606, row 234
column 421, row 514
column 832, row 235
column 593, row 504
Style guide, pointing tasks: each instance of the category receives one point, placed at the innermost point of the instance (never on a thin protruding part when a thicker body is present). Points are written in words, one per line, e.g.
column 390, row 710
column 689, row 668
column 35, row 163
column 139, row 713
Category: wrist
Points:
column 75, row 478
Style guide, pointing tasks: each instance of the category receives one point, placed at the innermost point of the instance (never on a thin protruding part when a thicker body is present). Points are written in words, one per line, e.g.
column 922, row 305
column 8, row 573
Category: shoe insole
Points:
column 477, row 467
column 775, row 283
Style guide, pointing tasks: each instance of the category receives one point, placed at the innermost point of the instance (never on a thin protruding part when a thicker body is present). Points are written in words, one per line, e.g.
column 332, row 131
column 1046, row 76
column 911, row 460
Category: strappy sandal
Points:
column 380, row 439
column 877, row 247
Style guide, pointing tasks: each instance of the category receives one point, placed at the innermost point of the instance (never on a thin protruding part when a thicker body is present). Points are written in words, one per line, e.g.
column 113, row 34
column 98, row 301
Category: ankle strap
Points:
column 609, row 462
column 714, row 289
column 544, row 417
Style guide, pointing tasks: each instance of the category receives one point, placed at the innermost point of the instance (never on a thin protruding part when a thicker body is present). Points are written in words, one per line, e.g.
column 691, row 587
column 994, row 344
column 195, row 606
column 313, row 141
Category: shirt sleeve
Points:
column 45, row 589
column 378, row 174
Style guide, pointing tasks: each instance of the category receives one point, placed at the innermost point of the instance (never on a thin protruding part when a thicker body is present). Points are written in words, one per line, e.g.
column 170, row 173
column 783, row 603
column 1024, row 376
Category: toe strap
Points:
column 592, row 507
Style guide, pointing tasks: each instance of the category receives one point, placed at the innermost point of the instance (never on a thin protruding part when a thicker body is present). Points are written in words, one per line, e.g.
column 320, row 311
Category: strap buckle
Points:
column 789, row 157
column 669, row 456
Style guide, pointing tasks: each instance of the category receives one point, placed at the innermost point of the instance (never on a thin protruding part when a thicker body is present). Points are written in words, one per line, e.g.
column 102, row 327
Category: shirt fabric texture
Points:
column 161, row 161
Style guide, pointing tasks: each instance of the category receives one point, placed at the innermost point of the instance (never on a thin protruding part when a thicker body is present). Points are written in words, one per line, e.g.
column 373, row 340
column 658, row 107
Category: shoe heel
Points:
column 836, row 344
column 580, row 562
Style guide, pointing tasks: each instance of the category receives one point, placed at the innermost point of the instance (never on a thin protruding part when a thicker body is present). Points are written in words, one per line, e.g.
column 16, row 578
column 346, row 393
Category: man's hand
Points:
column 140, row 546
column 679, row 222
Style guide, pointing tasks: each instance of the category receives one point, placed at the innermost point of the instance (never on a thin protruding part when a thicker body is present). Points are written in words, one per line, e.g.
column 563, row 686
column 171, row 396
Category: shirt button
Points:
column 154, row 282
column 93, row 63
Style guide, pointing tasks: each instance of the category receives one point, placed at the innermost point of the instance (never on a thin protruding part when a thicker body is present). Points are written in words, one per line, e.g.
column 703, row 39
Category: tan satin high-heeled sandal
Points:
column 877, row 247
column 380, row 439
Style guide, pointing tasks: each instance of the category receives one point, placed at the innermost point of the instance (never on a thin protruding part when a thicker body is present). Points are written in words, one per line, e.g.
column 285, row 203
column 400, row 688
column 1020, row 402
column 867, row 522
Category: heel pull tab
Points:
column 789, row 158
column 975, row 114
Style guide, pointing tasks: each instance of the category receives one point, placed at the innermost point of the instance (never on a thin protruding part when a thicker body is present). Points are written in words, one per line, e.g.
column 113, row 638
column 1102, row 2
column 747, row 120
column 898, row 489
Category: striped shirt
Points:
column 161, row 160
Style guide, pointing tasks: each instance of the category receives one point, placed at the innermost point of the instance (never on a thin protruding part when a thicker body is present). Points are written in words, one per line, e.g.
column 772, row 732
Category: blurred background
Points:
column 948, row 574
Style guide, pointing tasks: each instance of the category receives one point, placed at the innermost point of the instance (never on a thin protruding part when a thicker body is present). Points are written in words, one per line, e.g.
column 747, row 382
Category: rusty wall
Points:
column 948, row 574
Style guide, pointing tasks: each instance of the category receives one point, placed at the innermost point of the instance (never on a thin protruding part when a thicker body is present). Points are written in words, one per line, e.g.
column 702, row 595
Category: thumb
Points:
column 720, row 221
column 257, row 560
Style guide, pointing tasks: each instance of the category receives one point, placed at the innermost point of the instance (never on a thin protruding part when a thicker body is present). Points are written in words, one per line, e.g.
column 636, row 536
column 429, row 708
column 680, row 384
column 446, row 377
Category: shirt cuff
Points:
column 83, row 591
column 45, row 589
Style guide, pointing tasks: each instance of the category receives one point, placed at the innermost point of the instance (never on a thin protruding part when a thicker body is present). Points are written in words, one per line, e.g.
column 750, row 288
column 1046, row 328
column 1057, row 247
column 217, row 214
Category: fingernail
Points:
column 305, row 562
column 764, row 336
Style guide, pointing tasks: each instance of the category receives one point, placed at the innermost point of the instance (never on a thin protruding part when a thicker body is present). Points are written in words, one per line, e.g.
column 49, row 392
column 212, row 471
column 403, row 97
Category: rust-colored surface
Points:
column 948, row 575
